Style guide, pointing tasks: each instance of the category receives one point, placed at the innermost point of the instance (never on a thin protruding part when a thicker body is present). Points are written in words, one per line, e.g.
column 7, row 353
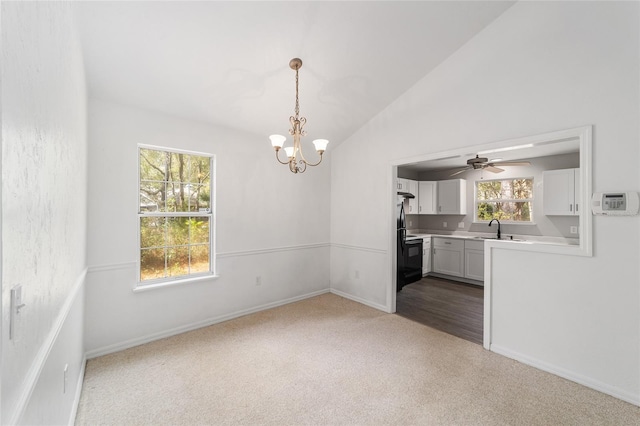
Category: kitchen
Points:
column 518, row 193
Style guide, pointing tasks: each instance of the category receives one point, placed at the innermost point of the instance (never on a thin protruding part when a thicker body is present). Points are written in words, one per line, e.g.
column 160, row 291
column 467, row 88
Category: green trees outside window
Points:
column 175, row 214
column 508, row 200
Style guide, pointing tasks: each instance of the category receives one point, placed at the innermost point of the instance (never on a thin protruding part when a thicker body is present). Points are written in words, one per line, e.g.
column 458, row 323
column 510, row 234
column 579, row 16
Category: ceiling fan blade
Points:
column 459, row 171
column 493, row 169
column 511, row 163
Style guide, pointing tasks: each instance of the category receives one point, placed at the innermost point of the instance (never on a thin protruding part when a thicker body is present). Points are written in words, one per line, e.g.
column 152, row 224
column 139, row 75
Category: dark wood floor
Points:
column 450, row 306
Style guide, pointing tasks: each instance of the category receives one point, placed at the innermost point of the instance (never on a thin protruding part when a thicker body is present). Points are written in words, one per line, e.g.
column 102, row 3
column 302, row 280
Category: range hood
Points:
column 406, row 194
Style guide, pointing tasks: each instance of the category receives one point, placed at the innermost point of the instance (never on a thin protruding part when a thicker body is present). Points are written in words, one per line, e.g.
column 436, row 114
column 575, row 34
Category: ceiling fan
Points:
column 482, row 163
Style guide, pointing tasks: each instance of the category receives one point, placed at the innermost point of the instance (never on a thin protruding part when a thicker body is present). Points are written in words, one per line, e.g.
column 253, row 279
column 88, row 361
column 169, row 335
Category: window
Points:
column 175, row 214
column 508, row 200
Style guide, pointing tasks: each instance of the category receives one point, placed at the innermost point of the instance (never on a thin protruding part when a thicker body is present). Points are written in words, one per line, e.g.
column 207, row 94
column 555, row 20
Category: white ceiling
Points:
column 227, row 62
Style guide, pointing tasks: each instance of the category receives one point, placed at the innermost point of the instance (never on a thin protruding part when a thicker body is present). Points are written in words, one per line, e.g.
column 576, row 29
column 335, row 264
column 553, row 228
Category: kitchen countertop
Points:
column 475, row 236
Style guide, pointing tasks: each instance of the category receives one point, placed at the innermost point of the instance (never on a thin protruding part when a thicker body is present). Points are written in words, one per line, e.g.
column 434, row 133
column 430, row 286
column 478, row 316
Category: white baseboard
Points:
column 194, row 326
column 569, row 375
column 360, row 300
column 76, row 399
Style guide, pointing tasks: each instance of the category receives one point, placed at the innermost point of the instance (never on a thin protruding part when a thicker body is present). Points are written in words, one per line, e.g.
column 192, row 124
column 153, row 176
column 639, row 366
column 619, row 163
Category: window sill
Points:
column 177, row 282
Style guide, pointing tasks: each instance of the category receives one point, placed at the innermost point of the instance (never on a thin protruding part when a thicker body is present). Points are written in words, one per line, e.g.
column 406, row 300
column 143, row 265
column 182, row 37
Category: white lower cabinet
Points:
column 448, row 256
column 426, row 256
column 474, row 260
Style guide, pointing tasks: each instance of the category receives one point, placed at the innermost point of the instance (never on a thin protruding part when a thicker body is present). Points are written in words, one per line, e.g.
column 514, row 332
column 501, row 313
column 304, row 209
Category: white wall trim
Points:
column 220, row 255
column 223, row 255
column 360, row 300
column 76, row 399
column 569, row 375
column 111, row 267
column 359, row 248
column 31, row 379
column 196, row 325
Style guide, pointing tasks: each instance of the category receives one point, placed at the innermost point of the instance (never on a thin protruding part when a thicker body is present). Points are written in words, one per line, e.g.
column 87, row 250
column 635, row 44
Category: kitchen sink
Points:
column 495, row 238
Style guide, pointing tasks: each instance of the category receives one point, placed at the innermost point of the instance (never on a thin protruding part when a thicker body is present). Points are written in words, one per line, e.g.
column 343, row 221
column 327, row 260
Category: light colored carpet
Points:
column 330, row 361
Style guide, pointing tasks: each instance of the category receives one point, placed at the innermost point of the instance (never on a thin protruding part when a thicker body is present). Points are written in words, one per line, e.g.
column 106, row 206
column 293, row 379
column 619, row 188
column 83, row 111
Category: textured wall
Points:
column 43, row 184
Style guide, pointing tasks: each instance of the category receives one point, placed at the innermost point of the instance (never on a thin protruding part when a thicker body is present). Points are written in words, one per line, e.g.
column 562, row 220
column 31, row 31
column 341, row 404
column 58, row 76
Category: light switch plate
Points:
column 16, row 304
column 461, row 225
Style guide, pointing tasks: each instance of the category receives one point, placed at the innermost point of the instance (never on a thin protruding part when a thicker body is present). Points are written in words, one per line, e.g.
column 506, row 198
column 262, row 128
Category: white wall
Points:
column 270, row 223
column 540, row 67
column 43, row 210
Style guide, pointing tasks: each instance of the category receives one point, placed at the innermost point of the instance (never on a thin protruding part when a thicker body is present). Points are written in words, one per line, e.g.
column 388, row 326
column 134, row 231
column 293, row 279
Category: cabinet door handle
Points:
column 570, row 207
column 576, row 207
column 447, row 242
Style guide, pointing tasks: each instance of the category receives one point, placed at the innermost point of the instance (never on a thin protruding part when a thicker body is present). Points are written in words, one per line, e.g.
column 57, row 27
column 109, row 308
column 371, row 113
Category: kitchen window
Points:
column 509, row 200
column 175, row 215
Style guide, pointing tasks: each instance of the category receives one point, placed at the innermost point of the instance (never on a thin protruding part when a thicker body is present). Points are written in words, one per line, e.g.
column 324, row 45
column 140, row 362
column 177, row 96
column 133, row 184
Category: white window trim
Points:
column 211, row 214
column 506, row 200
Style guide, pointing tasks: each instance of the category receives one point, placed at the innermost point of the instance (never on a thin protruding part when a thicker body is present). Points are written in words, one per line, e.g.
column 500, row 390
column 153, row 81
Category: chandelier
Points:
column 295, row 159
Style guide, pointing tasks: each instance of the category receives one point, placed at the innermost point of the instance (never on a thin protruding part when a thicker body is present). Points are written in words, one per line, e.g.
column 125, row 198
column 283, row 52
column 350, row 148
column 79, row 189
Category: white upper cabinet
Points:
column 452, row 196
column 561, row 189
column 427, row 197
column 403, row 184
column 411, row 205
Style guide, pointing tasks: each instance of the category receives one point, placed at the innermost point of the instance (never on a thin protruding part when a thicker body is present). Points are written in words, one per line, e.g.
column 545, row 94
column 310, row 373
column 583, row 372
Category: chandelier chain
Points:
column 297, row 110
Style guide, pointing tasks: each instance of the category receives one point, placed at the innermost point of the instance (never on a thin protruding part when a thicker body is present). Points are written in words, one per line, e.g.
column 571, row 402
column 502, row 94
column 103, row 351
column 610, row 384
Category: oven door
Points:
column 413, row 261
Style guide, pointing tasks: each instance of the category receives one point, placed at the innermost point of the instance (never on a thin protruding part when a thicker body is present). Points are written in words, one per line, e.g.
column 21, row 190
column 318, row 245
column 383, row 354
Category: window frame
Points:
column 210, row 214
column 506, row 200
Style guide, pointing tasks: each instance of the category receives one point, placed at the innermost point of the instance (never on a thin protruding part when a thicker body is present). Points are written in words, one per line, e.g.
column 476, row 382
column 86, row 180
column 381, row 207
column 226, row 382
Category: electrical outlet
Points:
column 573, row 229
column 258, row 280
column 444, row 224
column 357, row 274
column 410, row 223
column 461, row 225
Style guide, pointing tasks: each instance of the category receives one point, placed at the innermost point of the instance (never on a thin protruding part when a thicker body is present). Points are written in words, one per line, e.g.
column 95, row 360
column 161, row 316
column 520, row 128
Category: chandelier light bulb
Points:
column 289, row 151
column 277, row 141
column 320, row 144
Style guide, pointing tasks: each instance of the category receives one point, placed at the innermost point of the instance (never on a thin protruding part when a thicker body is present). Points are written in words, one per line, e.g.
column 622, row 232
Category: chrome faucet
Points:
column 498, row 226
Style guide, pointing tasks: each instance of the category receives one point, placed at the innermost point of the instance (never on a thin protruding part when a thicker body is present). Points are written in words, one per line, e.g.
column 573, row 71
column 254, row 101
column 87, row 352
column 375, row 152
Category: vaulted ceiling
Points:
column 227, row 63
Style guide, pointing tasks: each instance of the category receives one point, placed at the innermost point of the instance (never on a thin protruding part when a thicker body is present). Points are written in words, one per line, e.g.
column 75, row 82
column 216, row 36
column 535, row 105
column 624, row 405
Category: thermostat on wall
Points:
column 615, row 203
